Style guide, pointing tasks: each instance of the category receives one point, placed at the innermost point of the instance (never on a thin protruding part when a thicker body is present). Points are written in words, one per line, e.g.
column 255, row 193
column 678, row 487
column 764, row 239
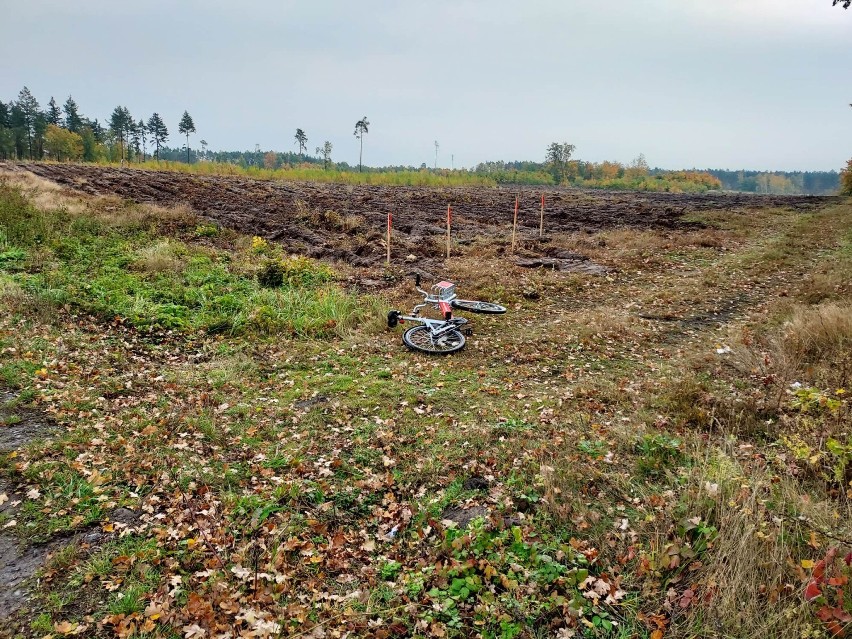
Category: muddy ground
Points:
column 18, row 560
column 341, row 222
column 20, row 557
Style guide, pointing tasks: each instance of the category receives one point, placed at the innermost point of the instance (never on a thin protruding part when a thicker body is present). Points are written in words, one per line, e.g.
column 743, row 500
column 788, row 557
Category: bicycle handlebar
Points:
column 417, row 285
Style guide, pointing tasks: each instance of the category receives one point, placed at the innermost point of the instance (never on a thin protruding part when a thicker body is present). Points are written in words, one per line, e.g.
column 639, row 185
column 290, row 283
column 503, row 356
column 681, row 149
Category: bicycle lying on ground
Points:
column 440, row 336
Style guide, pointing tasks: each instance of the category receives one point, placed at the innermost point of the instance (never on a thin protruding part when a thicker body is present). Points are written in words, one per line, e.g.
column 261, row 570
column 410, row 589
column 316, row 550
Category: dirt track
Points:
column 297, row 214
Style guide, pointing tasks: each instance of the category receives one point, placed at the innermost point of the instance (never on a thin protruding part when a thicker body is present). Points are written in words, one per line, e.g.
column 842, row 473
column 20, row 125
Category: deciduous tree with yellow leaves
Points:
column 62, row 144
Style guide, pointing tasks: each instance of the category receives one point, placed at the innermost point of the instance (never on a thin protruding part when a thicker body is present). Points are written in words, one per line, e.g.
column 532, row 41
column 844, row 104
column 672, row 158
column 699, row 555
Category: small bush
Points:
column 825, row 591
column 685, row 402
column 260, row 246
column 658, row 453
column 271, row 275
column 207, row 230
column 295, row 272
column 9, row 257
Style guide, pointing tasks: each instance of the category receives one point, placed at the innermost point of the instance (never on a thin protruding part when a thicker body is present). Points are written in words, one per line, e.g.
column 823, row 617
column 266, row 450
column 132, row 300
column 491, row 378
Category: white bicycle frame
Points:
column 437, row 299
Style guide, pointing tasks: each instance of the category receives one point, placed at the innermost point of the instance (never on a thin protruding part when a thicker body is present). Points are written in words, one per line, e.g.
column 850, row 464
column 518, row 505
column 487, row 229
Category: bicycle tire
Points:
column 419, row 338
column 474, row 306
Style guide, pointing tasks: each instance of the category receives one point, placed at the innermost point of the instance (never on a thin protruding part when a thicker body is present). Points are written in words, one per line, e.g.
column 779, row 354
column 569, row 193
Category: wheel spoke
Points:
column 421, row 338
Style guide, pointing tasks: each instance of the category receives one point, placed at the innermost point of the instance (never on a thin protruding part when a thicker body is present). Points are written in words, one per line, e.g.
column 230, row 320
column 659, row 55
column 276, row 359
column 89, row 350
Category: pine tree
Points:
column 135, row 137
column 53, row 113
column 142, row 131
column 73, row 121
column 302, row 141
column 121, row 125
column 39, row 128
column 158, row 131
column 97, row 130
column 186, row 127
column 29, row 112
column 361, row 128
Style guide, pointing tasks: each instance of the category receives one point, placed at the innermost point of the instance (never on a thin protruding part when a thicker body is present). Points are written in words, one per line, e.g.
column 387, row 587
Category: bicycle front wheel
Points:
column 420, row 338
column 479, row 307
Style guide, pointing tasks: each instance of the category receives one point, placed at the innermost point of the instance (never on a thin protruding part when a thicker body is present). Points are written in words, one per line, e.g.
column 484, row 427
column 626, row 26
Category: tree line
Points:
column 559, row 168
column 62, row 133
column 779, row 182
column 28, row 132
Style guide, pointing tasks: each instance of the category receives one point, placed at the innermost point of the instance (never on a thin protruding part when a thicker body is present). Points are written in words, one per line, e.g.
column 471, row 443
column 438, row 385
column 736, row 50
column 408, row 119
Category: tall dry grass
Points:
column 751, row 579
column 812, row 347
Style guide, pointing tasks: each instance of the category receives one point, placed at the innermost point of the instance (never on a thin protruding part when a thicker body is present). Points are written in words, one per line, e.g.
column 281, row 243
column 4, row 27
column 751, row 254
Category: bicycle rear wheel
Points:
column 419, row 338
column 475, row 306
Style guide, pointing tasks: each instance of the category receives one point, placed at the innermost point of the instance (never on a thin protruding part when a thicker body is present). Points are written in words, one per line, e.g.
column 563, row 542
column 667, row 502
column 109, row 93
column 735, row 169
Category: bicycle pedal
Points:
column 467, row 332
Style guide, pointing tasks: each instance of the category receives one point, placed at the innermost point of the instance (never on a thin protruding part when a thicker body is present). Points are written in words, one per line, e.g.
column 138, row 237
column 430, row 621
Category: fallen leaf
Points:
column 812, row 591
column 194, row 631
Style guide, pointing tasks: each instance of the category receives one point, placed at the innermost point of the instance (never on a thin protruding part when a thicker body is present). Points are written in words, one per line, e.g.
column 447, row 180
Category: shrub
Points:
column 658, row 452
column 207, row 230
column 271, row 275
column 295, row 272
column 259, row 245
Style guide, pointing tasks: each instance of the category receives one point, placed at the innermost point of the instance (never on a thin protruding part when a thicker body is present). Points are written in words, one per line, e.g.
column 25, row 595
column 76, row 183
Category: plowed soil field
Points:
column 335, row 221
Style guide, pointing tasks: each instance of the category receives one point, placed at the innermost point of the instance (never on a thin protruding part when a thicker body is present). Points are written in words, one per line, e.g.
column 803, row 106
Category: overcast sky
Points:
column 762, row 84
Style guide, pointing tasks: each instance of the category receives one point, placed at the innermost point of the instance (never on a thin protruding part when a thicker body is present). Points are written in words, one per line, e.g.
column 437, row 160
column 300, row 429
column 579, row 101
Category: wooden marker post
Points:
column 390, row 222
column 541, row 223
column 515, row 223
column 449, row 222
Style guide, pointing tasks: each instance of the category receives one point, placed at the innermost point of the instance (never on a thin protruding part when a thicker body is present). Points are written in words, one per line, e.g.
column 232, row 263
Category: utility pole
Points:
column 436, row 155
column 453, row 161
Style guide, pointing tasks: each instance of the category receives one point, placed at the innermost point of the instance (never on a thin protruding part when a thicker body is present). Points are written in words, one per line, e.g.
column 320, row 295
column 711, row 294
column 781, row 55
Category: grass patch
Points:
column 126, row 271
column 579, row 470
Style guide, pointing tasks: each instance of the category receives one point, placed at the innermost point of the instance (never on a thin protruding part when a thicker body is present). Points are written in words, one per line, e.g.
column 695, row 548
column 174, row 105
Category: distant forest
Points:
column 62, row 133
column 809, row 182
column 580, row 172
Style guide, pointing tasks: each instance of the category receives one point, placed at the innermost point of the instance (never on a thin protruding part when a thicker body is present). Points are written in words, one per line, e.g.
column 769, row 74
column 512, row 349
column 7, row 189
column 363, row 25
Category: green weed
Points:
column 658, row 453
column 127, row 272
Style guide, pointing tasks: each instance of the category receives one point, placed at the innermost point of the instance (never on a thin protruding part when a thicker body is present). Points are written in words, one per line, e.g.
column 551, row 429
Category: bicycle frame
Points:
column 441, row 296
